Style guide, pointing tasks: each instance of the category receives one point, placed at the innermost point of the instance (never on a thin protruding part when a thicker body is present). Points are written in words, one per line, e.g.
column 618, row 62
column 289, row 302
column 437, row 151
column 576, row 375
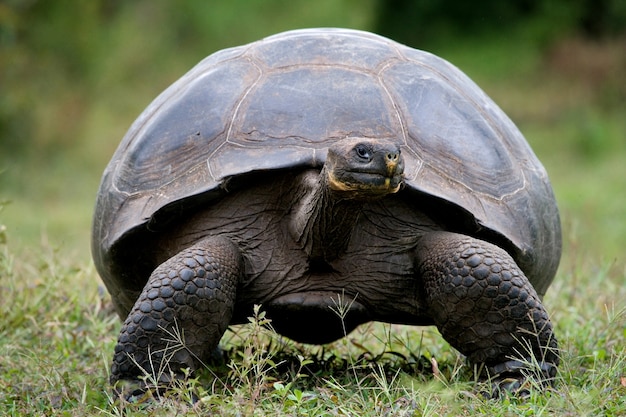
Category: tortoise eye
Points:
column 363, row 152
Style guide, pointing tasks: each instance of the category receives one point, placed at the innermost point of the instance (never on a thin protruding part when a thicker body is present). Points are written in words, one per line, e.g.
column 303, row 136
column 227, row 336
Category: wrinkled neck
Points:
column 324, row 220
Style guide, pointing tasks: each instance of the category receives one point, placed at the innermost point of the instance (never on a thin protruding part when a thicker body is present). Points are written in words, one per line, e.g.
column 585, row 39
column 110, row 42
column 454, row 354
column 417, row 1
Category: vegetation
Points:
column 74, row 75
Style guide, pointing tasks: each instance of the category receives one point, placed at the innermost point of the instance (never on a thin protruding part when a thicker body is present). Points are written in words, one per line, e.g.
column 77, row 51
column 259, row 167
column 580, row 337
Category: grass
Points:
column 58, row 331
column 57, row 327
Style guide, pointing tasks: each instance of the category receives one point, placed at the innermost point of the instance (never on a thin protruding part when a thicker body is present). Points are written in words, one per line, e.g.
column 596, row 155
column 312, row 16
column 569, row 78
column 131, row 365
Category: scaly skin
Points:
column 484, row 306
column 192, row 294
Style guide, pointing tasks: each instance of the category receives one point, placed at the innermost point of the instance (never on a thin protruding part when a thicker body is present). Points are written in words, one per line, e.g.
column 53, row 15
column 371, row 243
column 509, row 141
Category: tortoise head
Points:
column 366, row 168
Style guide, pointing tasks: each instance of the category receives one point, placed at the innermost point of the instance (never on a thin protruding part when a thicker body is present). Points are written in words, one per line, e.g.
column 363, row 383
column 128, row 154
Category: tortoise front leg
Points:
column 485, row 307
column 181, row 315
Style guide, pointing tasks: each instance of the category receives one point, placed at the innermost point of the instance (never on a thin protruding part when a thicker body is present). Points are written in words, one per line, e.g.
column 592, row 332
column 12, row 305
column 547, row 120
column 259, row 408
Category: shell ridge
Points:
column 261, row 75
column 392, row 99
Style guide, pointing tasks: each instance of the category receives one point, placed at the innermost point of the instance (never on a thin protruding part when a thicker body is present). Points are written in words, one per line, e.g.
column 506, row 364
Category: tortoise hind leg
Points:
column 179, row 318
column 486, row 308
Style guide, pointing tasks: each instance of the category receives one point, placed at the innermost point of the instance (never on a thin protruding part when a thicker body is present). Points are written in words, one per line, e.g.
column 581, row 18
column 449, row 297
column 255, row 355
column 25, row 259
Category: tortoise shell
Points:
column 280, row 102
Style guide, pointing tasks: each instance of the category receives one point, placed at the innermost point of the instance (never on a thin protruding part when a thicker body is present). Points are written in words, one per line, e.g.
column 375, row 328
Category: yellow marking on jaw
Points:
column 338, row 185
column 391, row 167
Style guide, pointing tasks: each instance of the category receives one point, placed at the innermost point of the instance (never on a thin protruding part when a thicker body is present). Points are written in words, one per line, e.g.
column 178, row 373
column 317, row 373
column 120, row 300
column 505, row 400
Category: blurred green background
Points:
column 75, row 74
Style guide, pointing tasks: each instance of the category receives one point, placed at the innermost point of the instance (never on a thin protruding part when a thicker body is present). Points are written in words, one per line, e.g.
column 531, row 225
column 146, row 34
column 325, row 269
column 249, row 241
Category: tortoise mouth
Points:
column 364, row 182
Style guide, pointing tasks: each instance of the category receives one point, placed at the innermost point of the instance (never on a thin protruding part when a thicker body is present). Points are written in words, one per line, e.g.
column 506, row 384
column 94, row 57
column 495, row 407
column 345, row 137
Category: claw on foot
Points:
column 141, row 392
column 136, row 391
column 518, row 377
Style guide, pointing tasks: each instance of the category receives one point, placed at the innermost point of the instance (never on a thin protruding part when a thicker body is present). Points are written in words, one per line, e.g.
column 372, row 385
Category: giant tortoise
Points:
column 322, row 165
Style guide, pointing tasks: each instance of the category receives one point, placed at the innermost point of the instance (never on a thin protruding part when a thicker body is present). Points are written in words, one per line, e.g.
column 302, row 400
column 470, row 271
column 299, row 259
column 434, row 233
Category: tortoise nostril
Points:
column 393, row 156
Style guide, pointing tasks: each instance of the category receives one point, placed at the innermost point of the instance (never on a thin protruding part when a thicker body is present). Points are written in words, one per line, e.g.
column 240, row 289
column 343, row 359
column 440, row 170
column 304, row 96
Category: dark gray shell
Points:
column 282, row 101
